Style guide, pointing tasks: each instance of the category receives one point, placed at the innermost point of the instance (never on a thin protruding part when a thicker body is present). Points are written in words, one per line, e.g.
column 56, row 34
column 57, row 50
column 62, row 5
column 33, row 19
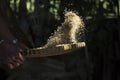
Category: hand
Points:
column 10, row 54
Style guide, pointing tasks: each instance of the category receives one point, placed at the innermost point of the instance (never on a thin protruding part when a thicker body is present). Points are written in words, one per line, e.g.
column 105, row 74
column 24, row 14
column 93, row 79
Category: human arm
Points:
column 9, row 51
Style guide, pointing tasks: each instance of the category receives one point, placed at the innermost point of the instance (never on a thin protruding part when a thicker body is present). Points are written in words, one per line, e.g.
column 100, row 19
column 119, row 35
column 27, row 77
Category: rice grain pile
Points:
column 66, row 33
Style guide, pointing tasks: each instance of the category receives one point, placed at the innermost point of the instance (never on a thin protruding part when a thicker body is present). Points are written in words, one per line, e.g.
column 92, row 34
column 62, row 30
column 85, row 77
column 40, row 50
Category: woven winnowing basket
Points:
column 53, row 51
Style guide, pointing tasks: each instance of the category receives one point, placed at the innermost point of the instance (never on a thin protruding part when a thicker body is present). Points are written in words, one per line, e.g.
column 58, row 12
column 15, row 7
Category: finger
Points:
column 20, row 57
column 16, row 61
column 16, row 64
column 11, row 66
column 12, row 63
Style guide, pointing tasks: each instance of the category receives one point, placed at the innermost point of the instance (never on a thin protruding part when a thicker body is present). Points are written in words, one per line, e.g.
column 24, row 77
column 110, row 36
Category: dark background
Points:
column 100, row 59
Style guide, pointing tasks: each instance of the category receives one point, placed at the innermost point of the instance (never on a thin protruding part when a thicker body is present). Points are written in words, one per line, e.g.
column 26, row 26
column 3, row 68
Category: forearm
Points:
column 10, row 54
column 4, row 30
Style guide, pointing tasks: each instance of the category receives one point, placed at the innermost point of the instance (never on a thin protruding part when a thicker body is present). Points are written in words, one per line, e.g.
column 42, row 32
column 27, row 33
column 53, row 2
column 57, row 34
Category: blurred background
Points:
column 99, row 60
